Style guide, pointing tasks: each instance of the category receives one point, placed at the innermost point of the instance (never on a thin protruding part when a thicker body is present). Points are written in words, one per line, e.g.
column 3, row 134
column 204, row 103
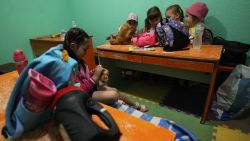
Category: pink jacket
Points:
column 84, row 78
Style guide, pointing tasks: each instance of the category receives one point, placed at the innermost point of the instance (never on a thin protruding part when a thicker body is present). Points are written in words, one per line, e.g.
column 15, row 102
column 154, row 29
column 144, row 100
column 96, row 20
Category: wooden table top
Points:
column 209, row 53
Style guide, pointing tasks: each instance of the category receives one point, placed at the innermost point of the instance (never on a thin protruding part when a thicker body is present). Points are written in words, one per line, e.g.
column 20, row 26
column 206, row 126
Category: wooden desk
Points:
column 41, row 44
column 132, row 128
column 205, row 60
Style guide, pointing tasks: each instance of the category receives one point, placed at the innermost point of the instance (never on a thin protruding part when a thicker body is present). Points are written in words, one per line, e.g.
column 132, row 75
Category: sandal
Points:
column 140, row 107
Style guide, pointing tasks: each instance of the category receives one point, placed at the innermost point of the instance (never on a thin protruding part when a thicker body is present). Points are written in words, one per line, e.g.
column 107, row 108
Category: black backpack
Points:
column 233, row 53
column 181, row 41
column 74, row 109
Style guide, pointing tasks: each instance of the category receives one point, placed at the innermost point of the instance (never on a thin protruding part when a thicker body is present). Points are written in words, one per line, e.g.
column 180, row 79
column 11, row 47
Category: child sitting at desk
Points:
column 195, row 14
column 76, row 43
column 132, row 21
column 148, row 36
column 174, row 12
column 129, row 29
column 153, row 18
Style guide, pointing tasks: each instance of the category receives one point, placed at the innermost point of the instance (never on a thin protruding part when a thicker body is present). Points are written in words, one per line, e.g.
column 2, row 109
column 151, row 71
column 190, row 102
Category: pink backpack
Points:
column 145, row 39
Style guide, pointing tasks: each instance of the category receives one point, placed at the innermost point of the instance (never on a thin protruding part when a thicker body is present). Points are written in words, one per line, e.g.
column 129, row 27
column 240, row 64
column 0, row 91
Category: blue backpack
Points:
column 19, row 119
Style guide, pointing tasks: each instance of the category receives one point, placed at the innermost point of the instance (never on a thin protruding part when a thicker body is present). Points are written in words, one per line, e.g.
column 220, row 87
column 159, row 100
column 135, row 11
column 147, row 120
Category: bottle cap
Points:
column 19, row 56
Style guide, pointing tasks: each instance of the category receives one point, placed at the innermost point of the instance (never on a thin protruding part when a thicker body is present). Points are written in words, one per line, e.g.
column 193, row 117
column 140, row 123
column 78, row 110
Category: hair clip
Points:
column 65, row 55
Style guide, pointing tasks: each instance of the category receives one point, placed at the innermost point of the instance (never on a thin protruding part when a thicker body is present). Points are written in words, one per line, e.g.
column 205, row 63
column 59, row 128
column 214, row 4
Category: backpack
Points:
column 18, row 119
column 234, row 52
column 74, row 109
column 233, row 96
column 145, row 39
column 172, row 35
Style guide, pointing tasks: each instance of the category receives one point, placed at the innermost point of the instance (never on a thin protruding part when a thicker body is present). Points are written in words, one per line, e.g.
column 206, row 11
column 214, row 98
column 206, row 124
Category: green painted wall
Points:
column 21, row 20
column 227, row 18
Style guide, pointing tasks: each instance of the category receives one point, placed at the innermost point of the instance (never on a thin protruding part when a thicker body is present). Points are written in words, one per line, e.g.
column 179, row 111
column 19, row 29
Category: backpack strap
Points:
column 207, row 37
column 209, row 31
column 4, row 132
column 60, row 93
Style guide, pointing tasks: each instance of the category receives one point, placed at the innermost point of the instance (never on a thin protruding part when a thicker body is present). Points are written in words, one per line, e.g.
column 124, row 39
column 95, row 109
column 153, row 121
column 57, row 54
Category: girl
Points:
column 77, row 43
column 132, row 21
column 196, row 14
column 153, row 18
column 174, row 12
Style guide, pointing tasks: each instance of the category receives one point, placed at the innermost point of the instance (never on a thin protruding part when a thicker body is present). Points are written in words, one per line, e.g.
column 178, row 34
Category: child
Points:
column 147, row 36
column 132, row 21
column 172, row 33
column 153, row 18
column 77, row 43
column 174, row 12
column 196, row 14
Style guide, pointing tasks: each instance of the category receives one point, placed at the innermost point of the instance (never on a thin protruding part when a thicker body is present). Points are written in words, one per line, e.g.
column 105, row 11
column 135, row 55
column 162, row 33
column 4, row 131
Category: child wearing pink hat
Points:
column 195, row 14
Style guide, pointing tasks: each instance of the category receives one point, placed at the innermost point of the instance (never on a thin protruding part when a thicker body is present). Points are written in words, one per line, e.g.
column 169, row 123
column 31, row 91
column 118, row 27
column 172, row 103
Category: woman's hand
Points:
column 97, row 73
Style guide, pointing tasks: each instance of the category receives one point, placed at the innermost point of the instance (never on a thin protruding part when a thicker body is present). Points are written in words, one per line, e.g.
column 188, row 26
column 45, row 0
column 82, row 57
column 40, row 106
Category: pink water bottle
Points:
column 41, row 91
column 20, row 60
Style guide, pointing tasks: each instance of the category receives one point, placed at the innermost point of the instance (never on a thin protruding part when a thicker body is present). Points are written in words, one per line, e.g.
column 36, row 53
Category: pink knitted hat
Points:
column 198, row 9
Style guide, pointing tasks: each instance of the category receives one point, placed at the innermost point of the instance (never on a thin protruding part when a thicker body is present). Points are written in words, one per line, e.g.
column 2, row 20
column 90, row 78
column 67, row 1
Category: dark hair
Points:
column 77, row 36
column 176, row 10
column 153, row 12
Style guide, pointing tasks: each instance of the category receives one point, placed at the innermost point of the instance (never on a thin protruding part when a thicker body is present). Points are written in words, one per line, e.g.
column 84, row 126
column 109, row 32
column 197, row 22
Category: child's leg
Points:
column 128, row 101
column 106, row 96
column 121, row 96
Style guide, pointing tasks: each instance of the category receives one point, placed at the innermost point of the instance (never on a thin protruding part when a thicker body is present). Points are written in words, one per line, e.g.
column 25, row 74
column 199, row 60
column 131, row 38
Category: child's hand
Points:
column 97, row 72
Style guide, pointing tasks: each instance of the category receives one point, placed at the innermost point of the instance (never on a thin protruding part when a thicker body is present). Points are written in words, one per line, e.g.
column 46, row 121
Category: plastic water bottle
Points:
column 40, row 94
column 73, row 24
column 63, row 34
column 20, row 60
column 198, row 36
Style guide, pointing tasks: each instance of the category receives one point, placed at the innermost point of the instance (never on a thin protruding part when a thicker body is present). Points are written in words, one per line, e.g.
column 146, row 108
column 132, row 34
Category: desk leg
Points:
column 210, row 94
